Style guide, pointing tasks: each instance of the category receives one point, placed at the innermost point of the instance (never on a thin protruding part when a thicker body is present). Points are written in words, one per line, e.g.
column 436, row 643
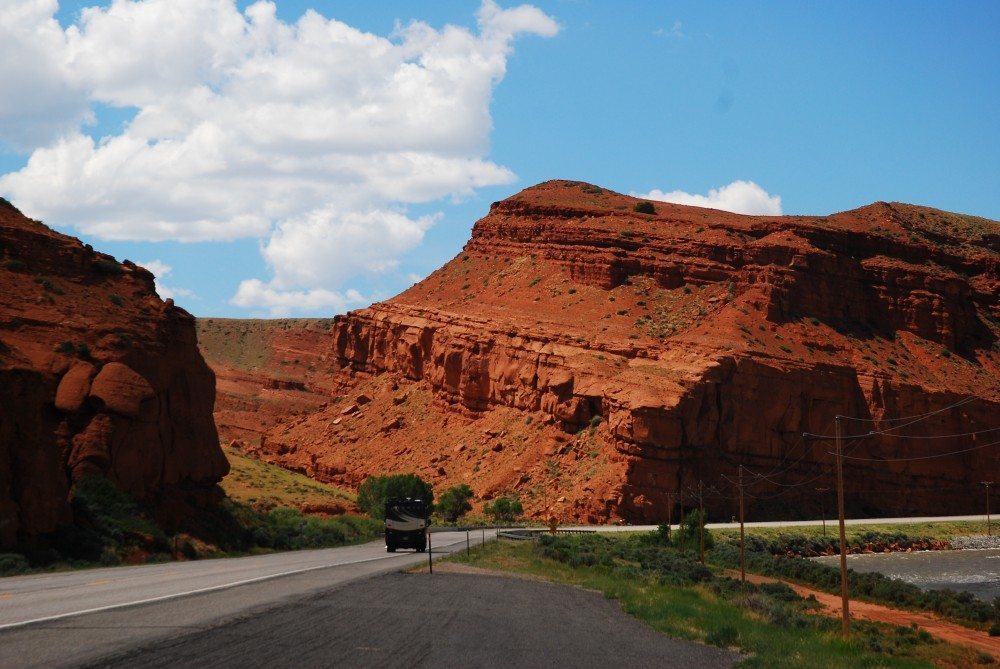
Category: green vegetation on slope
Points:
column 932, row 529
column 111, row 528
column 674, row 594
column 766, row 558
column 262, row 485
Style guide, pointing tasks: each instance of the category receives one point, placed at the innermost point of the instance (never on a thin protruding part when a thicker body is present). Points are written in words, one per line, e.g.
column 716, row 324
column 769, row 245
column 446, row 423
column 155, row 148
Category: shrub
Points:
column 15, row 265
column 106, row 266
column 596, row 420
column 375, row 490
column 454, row 502
column 107, row 521
column 117, row 300
column 723, row 637
column 504, row 509
column 48, row 285
column 80, row 350
column 662, row 534
column 644, row 207
column 769, row 558
column 688, row 535
column 12, row 564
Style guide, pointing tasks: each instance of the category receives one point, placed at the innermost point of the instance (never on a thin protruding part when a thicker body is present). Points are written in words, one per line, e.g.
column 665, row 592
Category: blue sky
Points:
column 828, row 107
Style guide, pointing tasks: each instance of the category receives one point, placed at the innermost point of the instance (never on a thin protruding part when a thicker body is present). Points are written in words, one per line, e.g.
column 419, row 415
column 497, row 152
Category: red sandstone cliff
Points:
column 266, row 371
column 97, row 375
column 596, row 359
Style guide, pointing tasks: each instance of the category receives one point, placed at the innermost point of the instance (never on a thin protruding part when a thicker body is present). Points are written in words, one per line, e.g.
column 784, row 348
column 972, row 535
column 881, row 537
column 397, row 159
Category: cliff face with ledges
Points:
column 97, row 376
column 677, row 345
column 266, row 371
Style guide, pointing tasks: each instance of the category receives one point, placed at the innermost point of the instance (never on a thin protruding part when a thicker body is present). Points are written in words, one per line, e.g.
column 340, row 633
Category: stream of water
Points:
column 976, row 571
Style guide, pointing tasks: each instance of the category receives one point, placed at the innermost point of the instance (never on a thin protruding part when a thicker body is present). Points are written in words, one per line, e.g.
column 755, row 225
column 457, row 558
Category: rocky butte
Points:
column 597, row 359
column 98, row 375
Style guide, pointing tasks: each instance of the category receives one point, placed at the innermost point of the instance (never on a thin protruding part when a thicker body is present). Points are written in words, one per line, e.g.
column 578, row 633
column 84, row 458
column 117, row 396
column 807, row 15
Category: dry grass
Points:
column 260, row 484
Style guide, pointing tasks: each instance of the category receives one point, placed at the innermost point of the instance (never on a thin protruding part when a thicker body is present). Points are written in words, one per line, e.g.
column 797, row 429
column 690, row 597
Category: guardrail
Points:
column 533, row 533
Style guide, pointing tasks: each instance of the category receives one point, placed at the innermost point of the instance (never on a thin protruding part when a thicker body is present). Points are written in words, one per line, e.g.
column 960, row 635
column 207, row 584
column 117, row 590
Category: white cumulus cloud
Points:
column 327, row 246
column 312, row 136
column 741, row 197
column 39, row 101
column 254, row 293
column 160, row 270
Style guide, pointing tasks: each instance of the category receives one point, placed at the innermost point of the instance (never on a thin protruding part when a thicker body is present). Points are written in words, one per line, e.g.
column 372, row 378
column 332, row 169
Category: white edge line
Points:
column 210, row 588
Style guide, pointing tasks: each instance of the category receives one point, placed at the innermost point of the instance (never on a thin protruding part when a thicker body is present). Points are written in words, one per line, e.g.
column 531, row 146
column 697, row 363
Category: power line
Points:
column 921, row 457
column 775, row 471
column 940, row 436
column 918, row 417
column 875, row 433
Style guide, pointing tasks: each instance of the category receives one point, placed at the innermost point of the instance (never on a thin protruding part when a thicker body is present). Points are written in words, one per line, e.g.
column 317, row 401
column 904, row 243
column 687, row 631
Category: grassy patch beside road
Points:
column 670, row 591
column 264, row 513
column 260, row 484
column 936, row 530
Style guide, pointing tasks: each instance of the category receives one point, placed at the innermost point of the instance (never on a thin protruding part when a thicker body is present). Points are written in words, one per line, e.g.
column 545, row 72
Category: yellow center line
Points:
column 6, row 595
column 101, row 582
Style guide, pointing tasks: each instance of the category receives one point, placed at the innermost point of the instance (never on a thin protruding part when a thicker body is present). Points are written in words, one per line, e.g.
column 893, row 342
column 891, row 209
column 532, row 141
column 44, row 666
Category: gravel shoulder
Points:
column 439, row 620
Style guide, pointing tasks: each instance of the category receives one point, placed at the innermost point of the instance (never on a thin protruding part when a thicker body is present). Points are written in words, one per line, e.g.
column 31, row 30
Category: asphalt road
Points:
column 830, row 522
column 439, row 620
column 76, row 618
column 72, row 618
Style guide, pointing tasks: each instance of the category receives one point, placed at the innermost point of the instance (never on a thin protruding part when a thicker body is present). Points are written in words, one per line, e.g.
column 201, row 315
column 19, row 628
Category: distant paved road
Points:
column 439, row 620
column 830, row 522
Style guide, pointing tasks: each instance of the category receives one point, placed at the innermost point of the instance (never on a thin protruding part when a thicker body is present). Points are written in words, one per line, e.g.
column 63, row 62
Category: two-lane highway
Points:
column 79, row 618
column 71, row 618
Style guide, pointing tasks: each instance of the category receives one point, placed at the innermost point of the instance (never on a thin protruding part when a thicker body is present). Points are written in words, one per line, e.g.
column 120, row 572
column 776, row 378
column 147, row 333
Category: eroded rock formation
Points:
column 98, row 375
column 622, row 357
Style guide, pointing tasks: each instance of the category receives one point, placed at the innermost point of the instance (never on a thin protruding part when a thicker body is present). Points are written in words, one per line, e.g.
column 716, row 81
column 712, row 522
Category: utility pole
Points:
column 701, row 521
column 822, row 506
column 846, row 623
column 670, row 512
column 989, row 529
column 743, row 561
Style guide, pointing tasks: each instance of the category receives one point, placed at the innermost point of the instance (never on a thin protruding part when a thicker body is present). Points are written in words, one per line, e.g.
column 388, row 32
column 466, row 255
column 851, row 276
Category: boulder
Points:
column 74, row 387
column 87, row 345
column 121, row 389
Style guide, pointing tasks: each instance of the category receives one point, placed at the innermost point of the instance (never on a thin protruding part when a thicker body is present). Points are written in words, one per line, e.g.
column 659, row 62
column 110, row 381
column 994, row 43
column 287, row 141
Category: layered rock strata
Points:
column 98, row 375
column 678, row 345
